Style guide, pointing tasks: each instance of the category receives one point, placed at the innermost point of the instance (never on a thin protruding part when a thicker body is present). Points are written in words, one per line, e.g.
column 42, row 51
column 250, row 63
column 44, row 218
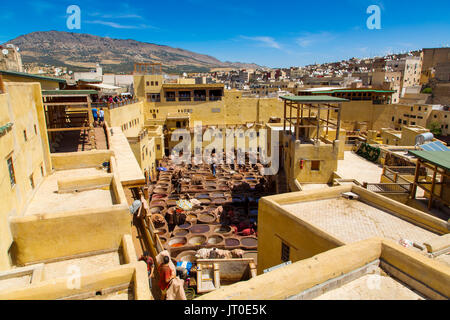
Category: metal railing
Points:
column 114, row 105
column 388, row 187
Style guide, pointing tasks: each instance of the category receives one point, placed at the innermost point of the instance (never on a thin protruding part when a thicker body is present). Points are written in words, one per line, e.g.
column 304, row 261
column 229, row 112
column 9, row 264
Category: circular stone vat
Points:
column 180, row 232
column 158, row 221
column 206, row 218
column 232, row 242
column 249, row 242
column 160, row 190
column 223, row 230
column 197, row 240
column 163, row 240
column 191, row 217
column 185, row 225
column 217, row 195
column 203, row 196
column 215, row 239
column 205, row 201
column 158, row 196
column 199, row 228
column 220, row 200
column 188, row 256
column 177, row 242
column 156, row 209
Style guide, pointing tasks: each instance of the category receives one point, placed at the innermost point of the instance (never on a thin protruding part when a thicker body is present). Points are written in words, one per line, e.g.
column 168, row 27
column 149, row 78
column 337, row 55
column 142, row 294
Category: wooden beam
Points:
column 67, row 129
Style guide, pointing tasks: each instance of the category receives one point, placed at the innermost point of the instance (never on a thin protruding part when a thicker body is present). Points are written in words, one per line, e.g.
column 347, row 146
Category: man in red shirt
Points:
column 165, row 276
column 150, row 266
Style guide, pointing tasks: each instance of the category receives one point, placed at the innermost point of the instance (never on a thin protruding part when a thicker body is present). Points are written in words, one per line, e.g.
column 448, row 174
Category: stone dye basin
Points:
column 197, row 240
column 188, row 256
column 223, row 230
column 215, row 239
column 191, row 217
column 185, row 225
column 206, row 218
column 177, row 242
column 180, row 232
column 232, row 242
column 249, row 242
column 199, row 228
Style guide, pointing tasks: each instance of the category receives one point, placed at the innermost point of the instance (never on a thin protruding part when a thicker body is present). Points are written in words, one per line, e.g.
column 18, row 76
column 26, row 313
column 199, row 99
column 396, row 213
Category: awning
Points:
column 104, row 86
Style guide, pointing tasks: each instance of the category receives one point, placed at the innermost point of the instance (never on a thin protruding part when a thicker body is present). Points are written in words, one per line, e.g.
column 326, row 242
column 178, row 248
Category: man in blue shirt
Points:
column 95, row 115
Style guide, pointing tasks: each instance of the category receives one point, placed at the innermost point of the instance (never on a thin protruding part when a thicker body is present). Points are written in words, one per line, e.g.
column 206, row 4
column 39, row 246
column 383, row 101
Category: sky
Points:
column 269, row 33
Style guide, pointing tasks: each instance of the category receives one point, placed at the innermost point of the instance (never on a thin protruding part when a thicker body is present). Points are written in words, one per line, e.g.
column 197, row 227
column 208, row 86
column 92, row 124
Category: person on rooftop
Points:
column 150, row 266
column 101, row 114
column 165, row 277
column 95, row 115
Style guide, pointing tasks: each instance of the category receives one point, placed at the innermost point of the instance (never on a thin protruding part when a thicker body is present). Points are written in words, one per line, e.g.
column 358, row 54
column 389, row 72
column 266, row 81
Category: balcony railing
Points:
column 113, row 105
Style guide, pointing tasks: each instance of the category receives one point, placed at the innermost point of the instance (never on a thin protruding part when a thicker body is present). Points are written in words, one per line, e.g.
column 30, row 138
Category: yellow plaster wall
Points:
column 290, row 280
column 131, row 115
column 45, row 84
column 21, row 105
column 42, row 237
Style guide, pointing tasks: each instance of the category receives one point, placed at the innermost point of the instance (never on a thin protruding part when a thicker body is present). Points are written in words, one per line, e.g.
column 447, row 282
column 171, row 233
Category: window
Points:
column 178, row 124
column 25, row 135
column 156, row 83
column 315, row 165
column 31, row 182
column 42, row 170
column 148, row 83
column 393, row 118
column 35, row 129
column 12, row 177
column 153, row 83
column 285, row 252
column 158, row 147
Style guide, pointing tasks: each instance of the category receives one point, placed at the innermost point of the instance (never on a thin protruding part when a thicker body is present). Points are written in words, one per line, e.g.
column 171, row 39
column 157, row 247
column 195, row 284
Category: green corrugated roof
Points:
column 438, row 158
column 352, row 90
column 67, row 92
column 313, row 99
column 33, row 76
column 90, row 80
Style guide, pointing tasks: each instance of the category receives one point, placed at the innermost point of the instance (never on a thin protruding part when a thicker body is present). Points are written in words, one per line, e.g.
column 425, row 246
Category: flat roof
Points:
column 129, row 171
column 387, row 288
column 358, row 168
column 313, row 99
column 194, row 86
column 354, row 220
column 438, row 158
column 33, row 76
column 68, row 92
column 47, row 200
column 350, row 91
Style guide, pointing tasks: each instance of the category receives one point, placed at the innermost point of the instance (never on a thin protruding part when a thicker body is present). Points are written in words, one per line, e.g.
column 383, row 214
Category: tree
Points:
column 435, row 128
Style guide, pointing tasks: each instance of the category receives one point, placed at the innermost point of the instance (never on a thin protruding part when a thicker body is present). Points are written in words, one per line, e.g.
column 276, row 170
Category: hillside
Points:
column 79, row 51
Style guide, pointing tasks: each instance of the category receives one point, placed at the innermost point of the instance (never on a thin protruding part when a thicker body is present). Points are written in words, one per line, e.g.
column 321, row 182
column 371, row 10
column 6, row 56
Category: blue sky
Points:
column 271, row 33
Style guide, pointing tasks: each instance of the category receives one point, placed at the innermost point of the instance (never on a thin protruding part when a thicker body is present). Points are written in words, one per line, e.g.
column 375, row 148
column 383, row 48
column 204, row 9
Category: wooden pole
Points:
column 433, row 185
column 416, row 180
column 297, row 129
column 284, row 122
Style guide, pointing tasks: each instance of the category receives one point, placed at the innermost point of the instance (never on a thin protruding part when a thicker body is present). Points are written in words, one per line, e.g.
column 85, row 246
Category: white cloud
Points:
column 264, row 41
column 311, row 39
column 120, row 26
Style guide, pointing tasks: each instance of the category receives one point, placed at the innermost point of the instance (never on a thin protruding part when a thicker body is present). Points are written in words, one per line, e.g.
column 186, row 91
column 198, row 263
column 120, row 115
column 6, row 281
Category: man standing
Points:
column 95, row 115
column 150, row 266
column 165, row 276
column 101, row 114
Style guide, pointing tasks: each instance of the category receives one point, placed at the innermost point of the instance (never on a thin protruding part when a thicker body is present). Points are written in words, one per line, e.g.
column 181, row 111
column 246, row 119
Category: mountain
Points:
column 78, row 51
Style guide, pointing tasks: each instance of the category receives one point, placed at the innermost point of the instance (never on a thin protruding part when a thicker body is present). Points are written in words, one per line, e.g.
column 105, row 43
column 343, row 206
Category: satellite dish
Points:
column 5, row 51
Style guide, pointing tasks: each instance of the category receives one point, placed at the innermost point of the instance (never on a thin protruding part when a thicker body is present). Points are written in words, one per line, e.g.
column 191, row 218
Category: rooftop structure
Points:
column 373, row 269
